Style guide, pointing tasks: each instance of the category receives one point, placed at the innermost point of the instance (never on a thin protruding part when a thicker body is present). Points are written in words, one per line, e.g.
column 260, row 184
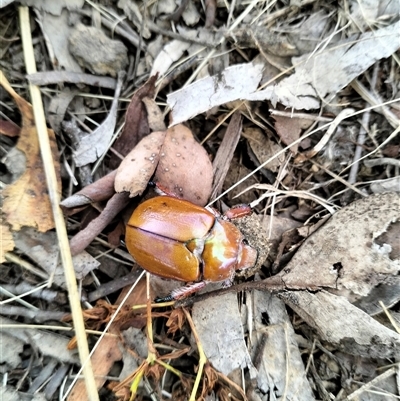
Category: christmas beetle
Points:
column 176, row 239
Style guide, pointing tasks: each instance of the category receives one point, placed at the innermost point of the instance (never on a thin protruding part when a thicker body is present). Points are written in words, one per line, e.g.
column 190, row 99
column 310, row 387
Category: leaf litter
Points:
column 23, row 196
column 226, row 75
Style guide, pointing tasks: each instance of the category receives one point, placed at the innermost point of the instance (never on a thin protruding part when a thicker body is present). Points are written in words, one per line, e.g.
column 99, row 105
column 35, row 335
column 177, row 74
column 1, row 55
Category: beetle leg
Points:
column 228, row 282
column 183, row 292
column 238, row 211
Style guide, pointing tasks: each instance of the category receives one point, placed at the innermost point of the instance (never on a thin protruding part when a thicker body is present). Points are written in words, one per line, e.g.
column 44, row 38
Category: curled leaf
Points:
column 138, row 167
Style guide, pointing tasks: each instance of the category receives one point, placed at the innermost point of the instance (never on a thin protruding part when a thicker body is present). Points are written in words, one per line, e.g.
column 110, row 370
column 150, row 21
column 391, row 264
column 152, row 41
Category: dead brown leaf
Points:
column 180, row 163
column 223, row 158
column 175, row 320
column 289, row 129
column 184, row 167
column 154, row 115
column 137, row 168
column 114, row 236
column 263, row 148
column 26, row 201
column 236, row 172
column 9, row 128
column 136, row 123
column 6, row 241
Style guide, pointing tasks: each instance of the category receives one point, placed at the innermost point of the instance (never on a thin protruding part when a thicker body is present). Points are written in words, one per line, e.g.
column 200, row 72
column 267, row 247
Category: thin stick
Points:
column 52, row 186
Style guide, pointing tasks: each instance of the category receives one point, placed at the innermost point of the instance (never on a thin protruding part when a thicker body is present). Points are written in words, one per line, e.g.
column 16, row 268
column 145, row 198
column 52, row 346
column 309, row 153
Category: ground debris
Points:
column 291, row 107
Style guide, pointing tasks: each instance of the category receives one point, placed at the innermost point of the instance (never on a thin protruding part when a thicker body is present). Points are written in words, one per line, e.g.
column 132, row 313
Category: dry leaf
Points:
column 224, row 343
column 224, row 156
column 114, row 236
column 57, row 30
column 388, row 293
column 92, row 146
column 54, row 7
column 343, row 325
column 84, row 237
column 135, row 171
column 154, row 115
column 6, row 241
column 171, row 52
column 345, row 61
column 43, row 248
column 46, row 342
column 26, row 201
column 11, row 351
column 132, row 11
column 184, row 167
column 9, row 128
column 234, row 83
column 362, row 13
column 388, row 185
column 279, row 364
column 257, row 37
column 236, row 172
column 289, row 129
column 94, row 50
column 346, row 255
column 163, row 287
column 263, row 148
column 58, row 107
column 136, row 123
column 309, row 31
column 279, row 230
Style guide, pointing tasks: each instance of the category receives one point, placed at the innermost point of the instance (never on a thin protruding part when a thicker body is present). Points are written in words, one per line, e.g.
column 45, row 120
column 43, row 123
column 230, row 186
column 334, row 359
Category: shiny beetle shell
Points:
column 173, row 238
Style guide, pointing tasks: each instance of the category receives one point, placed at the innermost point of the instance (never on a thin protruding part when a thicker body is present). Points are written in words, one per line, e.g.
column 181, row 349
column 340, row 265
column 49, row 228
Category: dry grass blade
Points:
column 54, row 198
column 373, row 100
column 321, row 128
column 202, row 356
